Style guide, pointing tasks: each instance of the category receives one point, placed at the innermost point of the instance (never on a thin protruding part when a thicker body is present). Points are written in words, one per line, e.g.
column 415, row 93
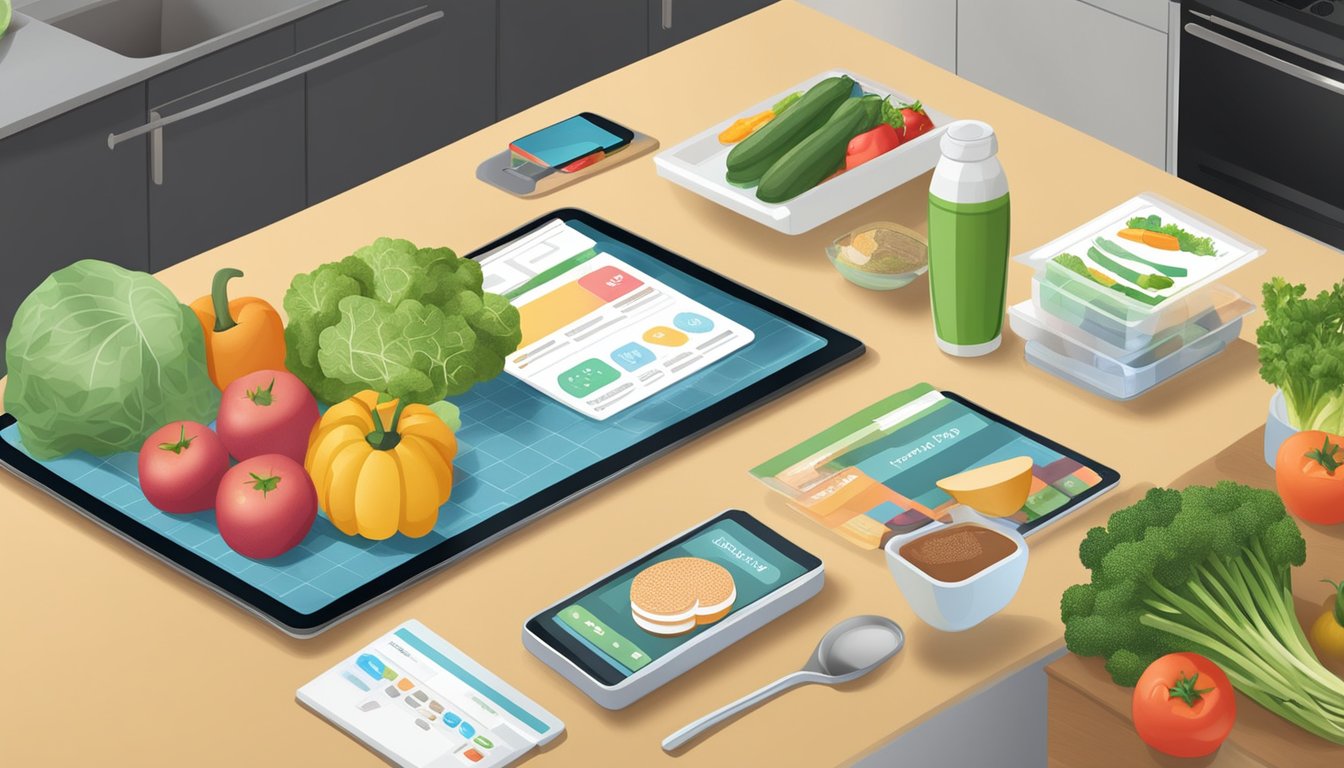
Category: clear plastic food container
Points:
column 1136, row 271
column 1058, row 315
column 1101, row 374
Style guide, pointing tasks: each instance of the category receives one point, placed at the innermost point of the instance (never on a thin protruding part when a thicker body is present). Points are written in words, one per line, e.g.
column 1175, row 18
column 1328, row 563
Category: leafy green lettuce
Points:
column 1189, row 242
column 99, row 357
column 1302, row 353
column 408, row 322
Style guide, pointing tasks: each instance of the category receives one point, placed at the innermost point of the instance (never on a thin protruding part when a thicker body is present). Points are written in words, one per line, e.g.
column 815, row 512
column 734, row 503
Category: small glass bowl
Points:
column 881, row 256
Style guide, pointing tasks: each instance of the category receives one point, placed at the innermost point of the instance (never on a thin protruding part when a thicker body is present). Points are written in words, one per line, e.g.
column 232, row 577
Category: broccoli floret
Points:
column 1204, row 570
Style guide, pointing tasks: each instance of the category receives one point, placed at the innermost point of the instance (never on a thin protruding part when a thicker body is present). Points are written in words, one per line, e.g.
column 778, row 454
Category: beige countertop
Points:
column 118, row 655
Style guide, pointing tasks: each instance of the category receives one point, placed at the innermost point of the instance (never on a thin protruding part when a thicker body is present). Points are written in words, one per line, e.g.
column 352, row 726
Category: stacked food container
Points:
column 1130, row 299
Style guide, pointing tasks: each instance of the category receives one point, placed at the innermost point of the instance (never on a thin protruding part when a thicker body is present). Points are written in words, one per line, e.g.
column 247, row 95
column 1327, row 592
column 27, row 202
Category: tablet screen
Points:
column 619, row 345
column 647, row 610
column 875, row 473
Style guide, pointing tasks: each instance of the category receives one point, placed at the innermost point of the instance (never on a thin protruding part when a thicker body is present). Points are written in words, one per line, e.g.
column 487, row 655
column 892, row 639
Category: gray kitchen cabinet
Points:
column 427, row 83
column 235, row 167
column 548, row 47
column 1098, row 71
column 64, row 197
column 676, row 21
column 926, row 28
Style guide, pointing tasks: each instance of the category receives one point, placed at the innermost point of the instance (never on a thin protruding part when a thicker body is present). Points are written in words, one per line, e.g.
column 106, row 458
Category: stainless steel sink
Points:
column 143, row 28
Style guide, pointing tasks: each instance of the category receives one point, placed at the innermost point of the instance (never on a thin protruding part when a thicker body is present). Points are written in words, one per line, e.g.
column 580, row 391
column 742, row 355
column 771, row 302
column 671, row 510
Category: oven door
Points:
column 1261, row 122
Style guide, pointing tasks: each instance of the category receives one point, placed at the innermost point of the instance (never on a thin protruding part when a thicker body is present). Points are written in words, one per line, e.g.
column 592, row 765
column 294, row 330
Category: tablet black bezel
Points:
column 839, row 348
column 601, row 671
column 1109, row 477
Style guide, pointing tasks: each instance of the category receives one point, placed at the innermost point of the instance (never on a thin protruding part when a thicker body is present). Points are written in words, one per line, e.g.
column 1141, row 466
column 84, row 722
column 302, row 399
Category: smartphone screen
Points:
column 568, row 140
column 615, row 628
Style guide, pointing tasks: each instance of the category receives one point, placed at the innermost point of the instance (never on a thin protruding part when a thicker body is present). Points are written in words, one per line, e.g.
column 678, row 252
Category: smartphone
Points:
column 573, row 143
column 617, row 639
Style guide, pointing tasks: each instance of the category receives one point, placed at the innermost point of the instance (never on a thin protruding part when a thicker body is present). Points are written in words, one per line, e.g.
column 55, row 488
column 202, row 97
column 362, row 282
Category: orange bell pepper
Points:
column 241, row 336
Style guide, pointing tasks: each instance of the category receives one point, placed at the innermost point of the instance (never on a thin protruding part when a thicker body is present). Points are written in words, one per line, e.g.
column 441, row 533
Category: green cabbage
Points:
column 408, row 322
column 99, row 357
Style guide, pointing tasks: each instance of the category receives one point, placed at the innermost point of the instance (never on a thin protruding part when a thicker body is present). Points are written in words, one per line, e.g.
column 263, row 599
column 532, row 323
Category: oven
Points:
column 1258, row 107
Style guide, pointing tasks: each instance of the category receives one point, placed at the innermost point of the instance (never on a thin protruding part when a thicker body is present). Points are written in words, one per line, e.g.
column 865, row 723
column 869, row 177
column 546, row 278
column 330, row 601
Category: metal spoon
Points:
column 850, row 650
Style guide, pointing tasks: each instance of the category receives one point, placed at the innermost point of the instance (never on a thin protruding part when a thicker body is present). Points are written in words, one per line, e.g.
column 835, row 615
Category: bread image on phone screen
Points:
column 674, row 596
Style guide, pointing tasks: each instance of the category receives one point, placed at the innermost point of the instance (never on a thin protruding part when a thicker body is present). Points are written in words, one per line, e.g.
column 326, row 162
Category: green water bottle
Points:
column 968, row 241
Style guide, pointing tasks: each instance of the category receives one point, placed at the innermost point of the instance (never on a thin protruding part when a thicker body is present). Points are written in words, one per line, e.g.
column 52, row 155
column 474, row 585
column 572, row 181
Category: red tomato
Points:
column 180, row 467
column 916, row 121
column 1309, row 477
column 870, row 144
column 266, row 412
column 1183, row 705
column 265, row 506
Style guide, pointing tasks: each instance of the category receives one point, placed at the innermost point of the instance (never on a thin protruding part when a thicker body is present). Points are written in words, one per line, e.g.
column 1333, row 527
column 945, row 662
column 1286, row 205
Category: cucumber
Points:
column 820, row 154
column 752, row 157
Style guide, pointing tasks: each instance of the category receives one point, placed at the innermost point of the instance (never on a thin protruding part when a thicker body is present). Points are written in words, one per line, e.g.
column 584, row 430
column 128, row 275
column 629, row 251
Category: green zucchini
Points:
column 820, row 154
column 753, row 156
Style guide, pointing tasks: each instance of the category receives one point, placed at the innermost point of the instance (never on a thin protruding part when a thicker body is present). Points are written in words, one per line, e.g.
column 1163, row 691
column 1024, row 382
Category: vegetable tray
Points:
column 699, row 164
column 1221, row 252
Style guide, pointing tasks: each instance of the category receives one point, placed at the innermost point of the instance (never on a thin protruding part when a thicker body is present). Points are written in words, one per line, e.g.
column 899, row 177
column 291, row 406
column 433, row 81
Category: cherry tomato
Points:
column 1183, row 705
column 870, row 144
column 180, row 466
column 914, row 121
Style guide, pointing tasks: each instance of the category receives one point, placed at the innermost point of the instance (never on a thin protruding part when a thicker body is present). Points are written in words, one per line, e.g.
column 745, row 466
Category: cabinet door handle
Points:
column 157, row 123
column 1260, row 57
column 667, row 14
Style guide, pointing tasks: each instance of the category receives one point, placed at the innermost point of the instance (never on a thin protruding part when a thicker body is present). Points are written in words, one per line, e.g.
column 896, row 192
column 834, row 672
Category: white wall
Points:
column 926, row 28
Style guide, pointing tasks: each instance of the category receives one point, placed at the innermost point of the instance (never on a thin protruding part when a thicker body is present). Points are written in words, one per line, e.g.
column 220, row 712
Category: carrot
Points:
column 745, row 126
column 1133, row 234
column 1161, row 240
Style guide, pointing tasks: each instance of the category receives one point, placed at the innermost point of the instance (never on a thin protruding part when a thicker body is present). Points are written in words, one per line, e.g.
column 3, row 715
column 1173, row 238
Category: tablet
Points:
column 874, row 474
column 662, row 613
column 630, row 350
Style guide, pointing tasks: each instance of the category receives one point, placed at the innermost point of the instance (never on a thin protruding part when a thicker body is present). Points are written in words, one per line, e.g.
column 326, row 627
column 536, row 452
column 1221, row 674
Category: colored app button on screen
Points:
column 609, row 283
column 633, row 356
column 587, row 377
column 372, row 665
column 664, row 336
column 693, row 322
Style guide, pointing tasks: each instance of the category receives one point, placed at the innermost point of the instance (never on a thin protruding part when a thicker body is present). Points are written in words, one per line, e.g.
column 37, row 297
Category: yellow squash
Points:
column 381, row 468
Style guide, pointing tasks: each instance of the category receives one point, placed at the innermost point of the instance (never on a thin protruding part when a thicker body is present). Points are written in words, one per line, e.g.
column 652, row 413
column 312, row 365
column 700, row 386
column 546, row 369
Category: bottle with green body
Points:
column 968, row 241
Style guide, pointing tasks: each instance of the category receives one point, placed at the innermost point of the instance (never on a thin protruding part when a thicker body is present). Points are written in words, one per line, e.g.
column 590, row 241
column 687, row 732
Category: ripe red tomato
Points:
column 870, row 144
column 1309, row 475
column 1183, row 705
column 180, row 466
column 265, row 506
column 915, row 121
column 266, row 412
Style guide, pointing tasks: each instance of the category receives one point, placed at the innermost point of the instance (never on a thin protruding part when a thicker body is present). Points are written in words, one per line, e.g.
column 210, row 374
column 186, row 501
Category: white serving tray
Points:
column 700, row 163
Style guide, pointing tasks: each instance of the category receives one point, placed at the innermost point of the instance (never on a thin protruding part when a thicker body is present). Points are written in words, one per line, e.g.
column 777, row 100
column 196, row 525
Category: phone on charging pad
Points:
column 662, row 613
column 570, row 145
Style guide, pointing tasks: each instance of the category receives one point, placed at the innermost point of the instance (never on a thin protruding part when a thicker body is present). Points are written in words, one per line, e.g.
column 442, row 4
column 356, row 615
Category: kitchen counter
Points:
column 46, row 71
column 159, row 670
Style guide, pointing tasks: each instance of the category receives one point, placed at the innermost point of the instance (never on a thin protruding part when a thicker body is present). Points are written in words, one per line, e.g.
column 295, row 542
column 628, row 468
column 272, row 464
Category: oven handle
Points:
column 1259, row 56
column 1286, row 47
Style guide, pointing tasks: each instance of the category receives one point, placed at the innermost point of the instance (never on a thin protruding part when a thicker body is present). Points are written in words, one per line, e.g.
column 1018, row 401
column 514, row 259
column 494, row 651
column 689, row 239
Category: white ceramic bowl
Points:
column 956, row 606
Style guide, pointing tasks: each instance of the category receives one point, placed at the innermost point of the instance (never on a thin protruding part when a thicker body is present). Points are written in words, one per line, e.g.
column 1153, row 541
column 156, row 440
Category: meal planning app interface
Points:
column 420, row 700
column 876, row 472
column 604, row 620
column 598, row 334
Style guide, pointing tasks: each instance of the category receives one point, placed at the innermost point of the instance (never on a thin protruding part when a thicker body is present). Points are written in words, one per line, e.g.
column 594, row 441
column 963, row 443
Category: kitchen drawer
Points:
column 421, row 89
column 236, row 167
column 548, row 47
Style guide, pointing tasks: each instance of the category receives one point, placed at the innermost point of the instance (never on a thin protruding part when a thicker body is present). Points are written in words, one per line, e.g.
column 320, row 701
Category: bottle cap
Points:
column 969, row 141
